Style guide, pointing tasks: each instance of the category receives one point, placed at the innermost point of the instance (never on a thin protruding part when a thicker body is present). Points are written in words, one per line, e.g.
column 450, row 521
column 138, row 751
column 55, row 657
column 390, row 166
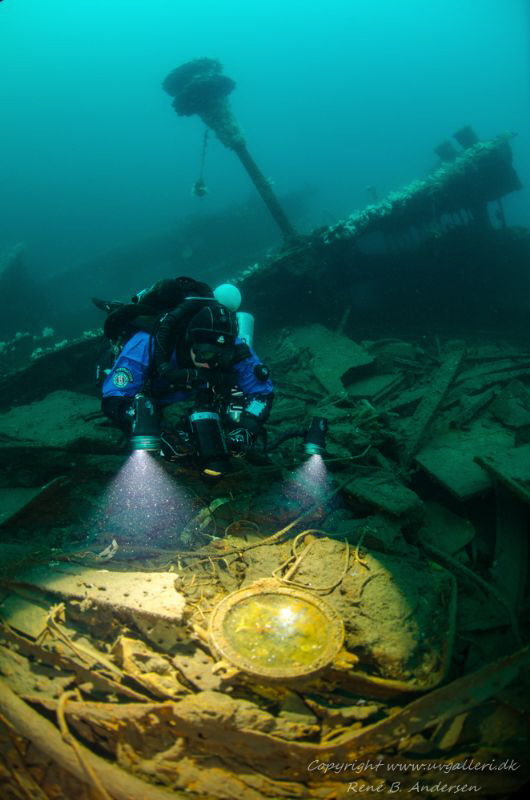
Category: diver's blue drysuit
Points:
column 132, row 370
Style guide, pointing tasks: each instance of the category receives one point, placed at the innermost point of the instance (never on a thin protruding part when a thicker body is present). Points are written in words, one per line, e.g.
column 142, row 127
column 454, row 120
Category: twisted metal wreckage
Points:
column 123, row 675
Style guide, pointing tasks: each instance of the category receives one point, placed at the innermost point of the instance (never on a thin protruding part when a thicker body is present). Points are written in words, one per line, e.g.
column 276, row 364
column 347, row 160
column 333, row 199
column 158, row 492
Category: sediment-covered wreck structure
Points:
column 298, row 629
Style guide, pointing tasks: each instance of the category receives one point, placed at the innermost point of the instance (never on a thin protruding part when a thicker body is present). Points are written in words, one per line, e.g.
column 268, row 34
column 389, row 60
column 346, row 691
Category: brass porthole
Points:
column 276, row 632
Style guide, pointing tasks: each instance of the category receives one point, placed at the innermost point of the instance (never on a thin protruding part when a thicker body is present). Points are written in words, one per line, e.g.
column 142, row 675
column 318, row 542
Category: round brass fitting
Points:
column 276, row 632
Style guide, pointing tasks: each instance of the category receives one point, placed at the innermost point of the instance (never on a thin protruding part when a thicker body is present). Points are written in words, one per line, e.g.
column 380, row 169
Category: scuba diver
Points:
column 179, row 340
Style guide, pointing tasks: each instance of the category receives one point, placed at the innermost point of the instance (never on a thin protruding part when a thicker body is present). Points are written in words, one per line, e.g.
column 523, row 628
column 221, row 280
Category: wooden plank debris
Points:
column 441, row 704
column 349, row 359
column 376, row 388
column 445, row 529
column 232, row 726
column 479, row 383
column 406, row 400
column 494, row 352
column 450, row 458
column 499, row 367
column 512, row 406
column 145, row 599
column 470, row 407
column 24, row 614
column 48, row 740
column 149, row 668
column 87, row 665
column 510, row 467
column 384, row 491
column 429, row 405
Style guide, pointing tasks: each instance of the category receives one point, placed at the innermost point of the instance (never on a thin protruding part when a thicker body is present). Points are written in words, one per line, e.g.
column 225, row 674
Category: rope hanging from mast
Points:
column 199, row 187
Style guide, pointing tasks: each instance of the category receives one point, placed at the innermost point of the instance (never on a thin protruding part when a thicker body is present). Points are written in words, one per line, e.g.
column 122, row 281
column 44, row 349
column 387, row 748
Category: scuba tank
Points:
column 229, row 295
column 245, row 327
column 245, row 323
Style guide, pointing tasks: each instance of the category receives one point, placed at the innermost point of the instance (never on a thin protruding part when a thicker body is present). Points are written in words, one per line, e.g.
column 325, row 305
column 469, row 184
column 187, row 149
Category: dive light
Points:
column 145, row 431
column 315, row 437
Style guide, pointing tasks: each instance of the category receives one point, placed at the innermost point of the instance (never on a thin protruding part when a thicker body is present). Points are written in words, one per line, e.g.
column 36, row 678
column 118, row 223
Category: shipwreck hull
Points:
column 435, row 254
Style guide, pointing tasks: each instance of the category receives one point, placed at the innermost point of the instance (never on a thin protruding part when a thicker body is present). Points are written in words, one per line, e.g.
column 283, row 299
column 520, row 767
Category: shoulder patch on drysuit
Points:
column 122, row 377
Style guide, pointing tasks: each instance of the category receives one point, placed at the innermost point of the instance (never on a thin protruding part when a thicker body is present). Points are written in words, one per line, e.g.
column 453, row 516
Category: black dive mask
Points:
column 215, row 357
